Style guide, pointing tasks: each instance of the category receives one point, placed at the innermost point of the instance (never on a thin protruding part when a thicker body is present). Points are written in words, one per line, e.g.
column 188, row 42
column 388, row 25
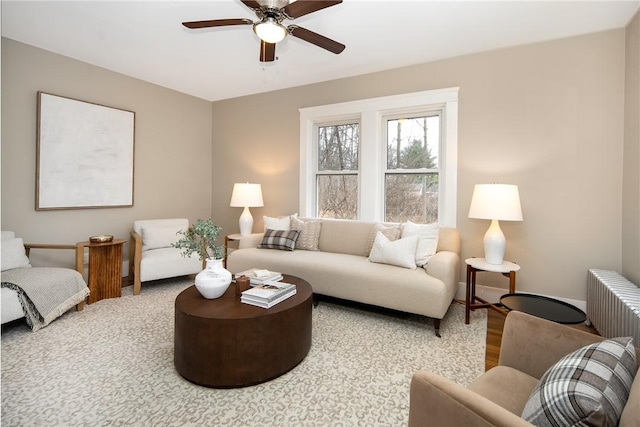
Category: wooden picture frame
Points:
column 84, row 155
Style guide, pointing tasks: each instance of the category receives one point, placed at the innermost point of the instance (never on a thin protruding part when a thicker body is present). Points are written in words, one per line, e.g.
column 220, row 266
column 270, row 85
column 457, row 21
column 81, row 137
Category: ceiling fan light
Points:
column 270, row 31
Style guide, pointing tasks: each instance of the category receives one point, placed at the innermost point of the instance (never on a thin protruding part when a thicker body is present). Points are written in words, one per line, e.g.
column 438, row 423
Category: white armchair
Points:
column 40, row 294
column 151, row 255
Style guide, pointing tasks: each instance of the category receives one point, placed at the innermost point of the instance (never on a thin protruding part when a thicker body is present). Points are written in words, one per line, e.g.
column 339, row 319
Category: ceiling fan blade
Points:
column 315, row 38
column 267, row 51
column 251, row 4
column 304, row 7
column 217, row 23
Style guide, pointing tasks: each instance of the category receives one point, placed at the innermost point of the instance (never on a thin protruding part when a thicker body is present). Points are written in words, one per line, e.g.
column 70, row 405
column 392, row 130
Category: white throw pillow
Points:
column 160, row 236
column 427, row 240
column 281, row 223
column 392, row 231
column 401, row 253
column 13, row 254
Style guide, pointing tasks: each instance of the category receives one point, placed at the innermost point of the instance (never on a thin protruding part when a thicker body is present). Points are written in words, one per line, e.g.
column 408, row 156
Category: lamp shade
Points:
column 496, row 201
column 246, row 195
column 270, row 31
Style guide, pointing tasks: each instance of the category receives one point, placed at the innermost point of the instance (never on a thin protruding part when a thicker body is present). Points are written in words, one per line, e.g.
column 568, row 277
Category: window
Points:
column 411, row 175
column 337, row 171
column 382, row 159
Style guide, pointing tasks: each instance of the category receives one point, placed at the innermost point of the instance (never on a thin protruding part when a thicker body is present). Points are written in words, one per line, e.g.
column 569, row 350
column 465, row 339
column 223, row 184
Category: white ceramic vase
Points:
column 213, row 281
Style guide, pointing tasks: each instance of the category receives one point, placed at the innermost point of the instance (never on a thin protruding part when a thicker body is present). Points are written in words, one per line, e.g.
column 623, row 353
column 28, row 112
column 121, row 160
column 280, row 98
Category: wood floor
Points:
column 495, row 324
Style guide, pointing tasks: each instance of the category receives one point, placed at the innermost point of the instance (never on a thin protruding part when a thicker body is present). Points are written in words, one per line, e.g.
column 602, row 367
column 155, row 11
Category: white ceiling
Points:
column 145, row 39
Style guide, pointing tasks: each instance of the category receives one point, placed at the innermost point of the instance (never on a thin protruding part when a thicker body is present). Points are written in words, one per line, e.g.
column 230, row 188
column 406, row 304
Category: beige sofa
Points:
column 341, row 269
column 497, row 398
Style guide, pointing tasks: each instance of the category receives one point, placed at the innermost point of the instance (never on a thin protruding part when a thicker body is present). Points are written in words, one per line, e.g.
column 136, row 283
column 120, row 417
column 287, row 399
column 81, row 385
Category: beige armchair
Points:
column 497, row 398
column 151, row 255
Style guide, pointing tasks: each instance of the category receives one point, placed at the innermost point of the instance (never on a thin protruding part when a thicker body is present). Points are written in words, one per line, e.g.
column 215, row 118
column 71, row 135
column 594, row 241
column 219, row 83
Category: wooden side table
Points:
column 474, row 265
column 105, row 268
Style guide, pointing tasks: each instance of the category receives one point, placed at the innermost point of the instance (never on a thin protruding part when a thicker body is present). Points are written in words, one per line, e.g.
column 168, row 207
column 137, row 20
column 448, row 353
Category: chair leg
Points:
column 80, row 306
column 136, row 285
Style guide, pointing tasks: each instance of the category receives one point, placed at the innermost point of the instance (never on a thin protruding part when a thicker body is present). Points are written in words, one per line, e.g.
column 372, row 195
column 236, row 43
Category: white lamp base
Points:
column 246, row 222
column 494, row 244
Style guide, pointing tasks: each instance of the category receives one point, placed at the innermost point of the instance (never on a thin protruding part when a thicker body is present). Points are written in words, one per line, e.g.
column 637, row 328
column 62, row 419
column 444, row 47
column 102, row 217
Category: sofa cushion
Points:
column 309, row 233
column 589, row 386
column 10, row 307
column 401, row 253
column 391, row 231
column 160, row 236
column 427, row 240
column 354, row 278
column 279, row 239
column 345, row 236
column 278, row 223
column 13, row 254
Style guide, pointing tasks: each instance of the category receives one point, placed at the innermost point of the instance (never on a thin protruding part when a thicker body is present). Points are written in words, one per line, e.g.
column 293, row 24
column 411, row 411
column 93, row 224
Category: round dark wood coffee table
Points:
column 224, row 343
column 544, row 307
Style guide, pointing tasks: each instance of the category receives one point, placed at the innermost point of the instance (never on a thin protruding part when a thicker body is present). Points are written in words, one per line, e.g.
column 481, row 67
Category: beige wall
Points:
column 631, row 165
column 547, row 117
column 172, row 146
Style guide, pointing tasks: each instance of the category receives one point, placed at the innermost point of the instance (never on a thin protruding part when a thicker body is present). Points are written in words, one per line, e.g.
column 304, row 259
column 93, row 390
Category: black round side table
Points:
column 544, row 307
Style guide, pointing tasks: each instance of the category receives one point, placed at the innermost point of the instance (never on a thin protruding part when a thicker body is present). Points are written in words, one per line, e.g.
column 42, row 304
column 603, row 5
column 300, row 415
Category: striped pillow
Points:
column 587, row 387
column 284, row 240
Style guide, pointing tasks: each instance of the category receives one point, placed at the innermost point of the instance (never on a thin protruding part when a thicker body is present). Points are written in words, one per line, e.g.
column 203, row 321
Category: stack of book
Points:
column 259, row 276
column 268, row 294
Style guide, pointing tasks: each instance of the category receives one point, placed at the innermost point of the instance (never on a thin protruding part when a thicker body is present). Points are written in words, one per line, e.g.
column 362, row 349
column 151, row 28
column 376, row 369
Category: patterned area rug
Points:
column 112, row 364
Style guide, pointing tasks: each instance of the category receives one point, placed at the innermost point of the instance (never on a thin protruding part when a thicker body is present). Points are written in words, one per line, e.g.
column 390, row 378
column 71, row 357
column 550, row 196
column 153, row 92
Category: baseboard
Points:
column 492, row 294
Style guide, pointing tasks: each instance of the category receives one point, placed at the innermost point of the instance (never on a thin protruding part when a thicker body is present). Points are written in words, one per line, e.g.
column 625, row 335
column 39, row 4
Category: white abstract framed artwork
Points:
column 84, row 156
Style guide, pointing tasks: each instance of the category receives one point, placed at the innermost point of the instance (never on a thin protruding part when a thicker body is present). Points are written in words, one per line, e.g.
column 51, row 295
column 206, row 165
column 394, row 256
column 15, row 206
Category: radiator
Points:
column 613, row 305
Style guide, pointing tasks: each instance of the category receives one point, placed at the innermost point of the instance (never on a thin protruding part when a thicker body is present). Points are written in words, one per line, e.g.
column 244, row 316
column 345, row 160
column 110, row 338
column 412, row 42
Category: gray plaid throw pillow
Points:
column 587, row 387
column 284, row 240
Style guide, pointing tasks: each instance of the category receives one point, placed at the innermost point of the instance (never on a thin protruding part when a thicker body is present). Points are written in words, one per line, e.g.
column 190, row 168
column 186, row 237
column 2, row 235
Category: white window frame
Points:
column 373, row 146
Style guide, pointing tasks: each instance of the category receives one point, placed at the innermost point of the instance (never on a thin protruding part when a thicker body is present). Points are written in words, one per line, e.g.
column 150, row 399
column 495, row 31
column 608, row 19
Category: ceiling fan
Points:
column 269, row 26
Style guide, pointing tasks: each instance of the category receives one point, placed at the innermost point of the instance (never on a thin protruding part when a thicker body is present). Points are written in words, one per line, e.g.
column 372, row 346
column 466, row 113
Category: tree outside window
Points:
column 391, row 158
column 337, row 171
column 412, row 175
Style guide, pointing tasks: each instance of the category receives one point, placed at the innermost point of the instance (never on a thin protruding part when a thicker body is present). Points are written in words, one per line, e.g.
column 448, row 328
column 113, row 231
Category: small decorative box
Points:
column 103, row 238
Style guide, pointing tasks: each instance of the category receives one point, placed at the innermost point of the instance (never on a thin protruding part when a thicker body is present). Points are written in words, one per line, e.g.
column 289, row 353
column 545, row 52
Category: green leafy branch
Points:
column 200, row 239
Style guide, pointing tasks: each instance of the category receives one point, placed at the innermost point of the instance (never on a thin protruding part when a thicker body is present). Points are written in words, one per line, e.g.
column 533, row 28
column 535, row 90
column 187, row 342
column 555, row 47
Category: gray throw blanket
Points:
column 45, row 293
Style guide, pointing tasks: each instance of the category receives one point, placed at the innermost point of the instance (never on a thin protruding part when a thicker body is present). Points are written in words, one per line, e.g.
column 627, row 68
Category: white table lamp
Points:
column 246, row 196
column 495, row 202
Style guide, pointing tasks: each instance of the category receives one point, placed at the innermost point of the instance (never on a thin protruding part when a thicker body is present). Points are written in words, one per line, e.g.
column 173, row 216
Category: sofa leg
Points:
column 436, row 325
column 316, row 300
